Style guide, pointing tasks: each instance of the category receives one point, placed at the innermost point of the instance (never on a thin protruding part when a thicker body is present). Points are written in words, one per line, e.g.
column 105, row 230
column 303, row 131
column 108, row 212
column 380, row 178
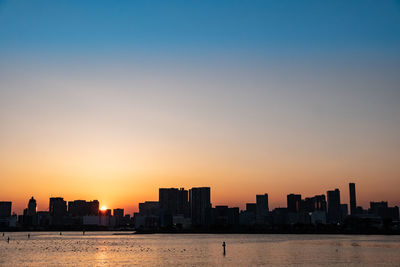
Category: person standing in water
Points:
column 224, row 245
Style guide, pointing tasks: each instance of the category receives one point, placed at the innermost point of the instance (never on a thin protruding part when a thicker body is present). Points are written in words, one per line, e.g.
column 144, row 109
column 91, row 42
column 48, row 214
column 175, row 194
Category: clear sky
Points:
column 111, row 100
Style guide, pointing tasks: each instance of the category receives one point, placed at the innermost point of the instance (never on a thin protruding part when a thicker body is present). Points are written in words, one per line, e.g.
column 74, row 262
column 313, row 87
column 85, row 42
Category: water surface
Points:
column 106, row 249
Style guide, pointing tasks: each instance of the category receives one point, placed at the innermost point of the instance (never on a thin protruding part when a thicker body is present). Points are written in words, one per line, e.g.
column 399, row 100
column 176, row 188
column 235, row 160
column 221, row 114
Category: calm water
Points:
column 106, row 249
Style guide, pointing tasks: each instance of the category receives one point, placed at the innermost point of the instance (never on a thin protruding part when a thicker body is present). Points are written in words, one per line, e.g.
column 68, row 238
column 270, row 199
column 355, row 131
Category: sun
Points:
column 103, row 208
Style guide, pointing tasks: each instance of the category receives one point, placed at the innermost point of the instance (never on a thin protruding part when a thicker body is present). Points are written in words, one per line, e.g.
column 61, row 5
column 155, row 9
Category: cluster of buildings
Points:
column 178, row 208
column 77, row 214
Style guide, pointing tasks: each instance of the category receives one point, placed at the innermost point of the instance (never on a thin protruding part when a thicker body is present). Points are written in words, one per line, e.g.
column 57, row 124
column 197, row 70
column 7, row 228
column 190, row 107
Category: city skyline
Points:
column 280, row 96
column 345, row 197
column 180, row 209
column 199, row 133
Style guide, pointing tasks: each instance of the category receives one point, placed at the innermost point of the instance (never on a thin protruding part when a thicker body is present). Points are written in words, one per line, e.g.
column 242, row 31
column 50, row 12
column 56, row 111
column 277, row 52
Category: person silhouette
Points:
column 29, row 236
column 8, row 239
column 224, row 245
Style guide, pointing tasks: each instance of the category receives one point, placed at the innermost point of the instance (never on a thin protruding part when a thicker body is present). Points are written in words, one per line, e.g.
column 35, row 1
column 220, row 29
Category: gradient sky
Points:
column 111, row 100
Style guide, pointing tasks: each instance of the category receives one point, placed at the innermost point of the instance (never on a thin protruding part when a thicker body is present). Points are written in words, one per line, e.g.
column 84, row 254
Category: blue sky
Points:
column 171, row 26
column 288, row 96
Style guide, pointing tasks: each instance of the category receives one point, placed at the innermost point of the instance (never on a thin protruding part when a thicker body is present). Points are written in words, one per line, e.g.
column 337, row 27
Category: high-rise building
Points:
column 225, row 216
column 83, row 208
column 383, row 210
column 353, row 201
column 172, row 201
column 118, row 213
column 334, row 207
column 315, row 203
column 200, row 205
column 57, row 210
column 262, row 208
column 320, row 203
column 293, row 202
column 149, row 208
column 148, row 215
column 262, row 204
column 31, row 207
column 5, row 209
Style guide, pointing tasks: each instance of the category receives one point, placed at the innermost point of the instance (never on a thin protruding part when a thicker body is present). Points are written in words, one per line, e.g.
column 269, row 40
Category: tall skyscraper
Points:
column 172, row 201
column 83, row 207
column 5, row 209
column 293, row 202
column 334, row 207
column 353, row 201
column 200, row 205
column 262, row 208
column 57, row 210
column 31, row 207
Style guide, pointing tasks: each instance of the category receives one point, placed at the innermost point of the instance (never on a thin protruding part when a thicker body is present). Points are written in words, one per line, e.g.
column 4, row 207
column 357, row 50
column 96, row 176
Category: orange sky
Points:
column 118, row 134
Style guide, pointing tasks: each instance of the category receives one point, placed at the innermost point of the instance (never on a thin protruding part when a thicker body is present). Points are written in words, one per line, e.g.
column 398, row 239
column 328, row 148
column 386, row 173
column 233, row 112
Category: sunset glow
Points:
column 230, row 96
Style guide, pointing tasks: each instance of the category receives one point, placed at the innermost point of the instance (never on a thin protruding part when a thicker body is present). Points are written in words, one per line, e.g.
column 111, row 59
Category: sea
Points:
column 125, row 249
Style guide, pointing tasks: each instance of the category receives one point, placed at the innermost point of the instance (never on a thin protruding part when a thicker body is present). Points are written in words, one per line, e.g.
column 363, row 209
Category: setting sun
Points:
column 103, row 208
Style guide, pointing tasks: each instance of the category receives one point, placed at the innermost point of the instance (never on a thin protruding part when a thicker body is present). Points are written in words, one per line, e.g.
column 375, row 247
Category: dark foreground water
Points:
column 106, row 249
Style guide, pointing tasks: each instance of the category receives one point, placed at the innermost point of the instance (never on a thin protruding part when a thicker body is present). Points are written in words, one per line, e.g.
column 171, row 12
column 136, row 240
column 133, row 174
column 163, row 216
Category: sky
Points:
column 111, row 100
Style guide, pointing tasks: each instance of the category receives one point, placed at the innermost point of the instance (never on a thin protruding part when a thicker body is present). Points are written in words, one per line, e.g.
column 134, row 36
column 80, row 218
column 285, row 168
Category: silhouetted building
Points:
column 225, row 216
column 118, row 213
column 262, row 208
column 200, row 205
column 149, row 208
column 247, row 218
column 360, row 210
column 119, row 217
column 43, row 218
column 172, row 201
column 280, row 216
column 5, row 209
column 106, row 212
column 320, row 203
column 353, row 199
column 57, row 210
column 345, row 211
column 316, row 203
column 148, row 215
column 318, row 217
column 334, row 208
column 385, row 212
column 293, row 202
column 375, row 207
column 31, row 207
column 5, row 214
column 251, row 207
column 29, row 218
column 83, row 208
